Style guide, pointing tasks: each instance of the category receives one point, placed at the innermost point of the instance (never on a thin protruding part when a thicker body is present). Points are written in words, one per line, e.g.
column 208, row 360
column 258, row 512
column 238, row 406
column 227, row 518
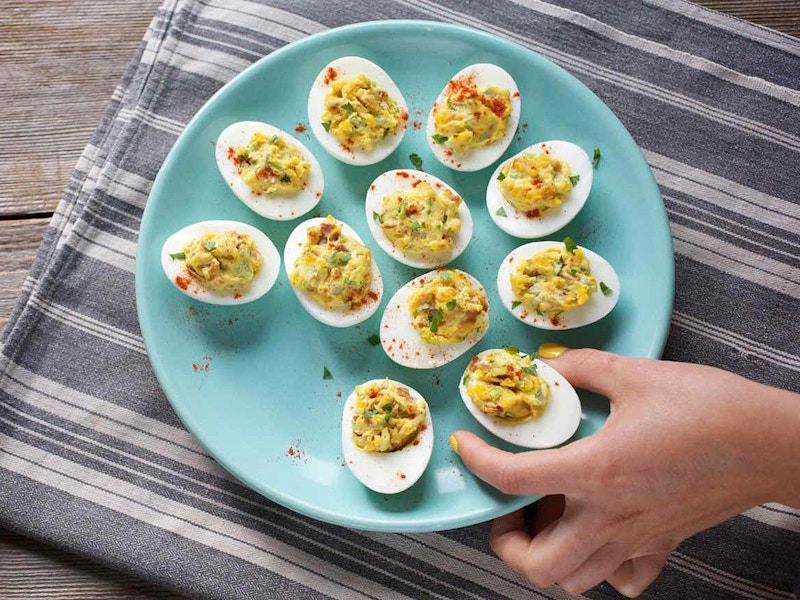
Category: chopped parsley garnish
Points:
column 570, row 245
column 435, row 317
column 210, row 246
column 348, row 107
column 574, row 179
column 369, row 413
column 274, row 139
column 243, row 156
column 515, row 304
column 501, row 212
column 286, row 179
column 326, row 374
column 452, row 304
column 531, row 370
column 450, row 104
column 415, row 225
column 439, row 139
column 178, row 256
column 377, row 217
column 511, row 349
column 596, row 157
column 326, row 125
column 607, row 291
column 501, row 176
column 415, row 160
column 344, row 258
column 387, row 407
column 465, row 378
column 385, row 132
column 374, row 339
column 557, row 265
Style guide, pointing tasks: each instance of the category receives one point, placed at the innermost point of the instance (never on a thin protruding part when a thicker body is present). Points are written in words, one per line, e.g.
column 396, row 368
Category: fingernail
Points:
column 454, row 443
column 551, row 350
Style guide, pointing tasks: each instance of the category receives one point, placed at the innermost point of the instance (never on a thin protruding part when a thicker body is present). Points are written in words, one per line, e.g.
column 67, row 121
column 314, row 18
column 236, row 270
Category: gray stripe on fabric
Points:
column 776, row 515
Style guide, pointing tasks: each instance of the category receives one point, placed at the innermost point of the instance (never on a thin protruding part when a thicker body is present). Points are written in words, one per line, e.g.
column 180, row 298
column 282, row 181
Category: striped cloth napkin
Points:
column 93, row 459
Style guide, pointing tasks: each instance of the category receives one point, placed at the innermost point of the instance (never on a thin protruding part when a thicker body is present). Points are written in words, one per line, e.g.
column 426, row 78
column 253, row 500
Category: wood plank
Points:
column 19, row 242
column 783, row 15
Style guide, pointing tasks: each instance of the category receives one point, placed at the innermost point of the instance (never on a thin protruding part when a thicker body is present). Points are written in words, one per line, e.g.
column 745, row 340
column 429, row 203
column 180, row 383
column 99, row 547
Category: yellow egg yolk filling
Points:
column 553, row 281
column 359, row 114
column 447, row 308
column 506, row 385
column 225, row 262
column 333, row 268
column 533, row 183
column 471, row 117
column 271, row 165
column 420, row 220
column 386, row 417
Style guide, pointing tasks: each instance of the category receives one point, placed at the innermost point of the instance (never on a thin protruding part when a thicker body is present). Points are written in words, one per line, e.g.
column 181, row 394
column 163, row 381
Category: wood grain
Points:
column 19, row 241
column 783, row 15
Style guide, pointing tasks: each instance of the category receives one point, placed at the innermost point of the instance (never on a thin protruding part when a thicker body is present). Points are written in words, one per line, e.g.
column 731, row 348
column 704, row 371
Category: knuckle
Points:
column 573, row 588
column 539, row 578
column 509, row 479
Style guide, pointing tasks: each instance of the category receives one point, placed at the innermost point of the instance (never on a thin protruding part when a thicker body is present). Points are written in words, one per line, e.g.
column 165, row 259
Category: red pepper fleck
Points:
column 300, row 128
column 330, row 75
column 416, row 124
column 403, row 174
column 555, row 321
column 516, row 94
column 183, row 282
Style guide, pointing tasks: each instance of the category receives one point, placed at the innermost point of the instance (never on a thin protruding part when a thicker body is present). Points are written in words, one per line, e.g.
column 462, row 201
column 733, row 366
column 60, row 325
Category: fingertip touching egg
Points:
column 555, row 414
column 374, row 463
column 269, row 170
column 417, row 218
column 475, row 117
column 356, row 111
column 527, row 286
column 539, row 190
column 332, row 272
column 434, row 319
column 221, row 262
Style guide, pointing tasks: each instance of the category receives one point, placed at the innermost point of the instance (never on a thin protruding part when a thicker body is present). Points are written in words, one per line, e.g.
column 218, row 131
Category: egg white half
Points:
column 335, row 317
column 404, row 179
column 558, row 422
column 278, row 207
column 348, row 67
column 485, row 75
column 403, row 344
column 597, row 307
column 176, row 270
column 516, row 223
column 386, row 472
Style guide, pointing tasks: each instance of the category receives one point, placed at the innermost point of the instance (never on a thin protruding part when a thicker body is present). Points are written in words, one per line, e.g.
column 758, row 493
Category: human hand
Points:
column 685, row 447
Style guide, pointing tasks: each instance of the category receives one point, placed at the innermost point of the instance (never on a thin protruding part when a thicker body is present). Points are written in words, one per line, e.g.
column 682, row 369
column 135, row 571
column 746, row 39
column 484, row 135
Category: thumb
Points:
column 589, row 369
column 536, row 472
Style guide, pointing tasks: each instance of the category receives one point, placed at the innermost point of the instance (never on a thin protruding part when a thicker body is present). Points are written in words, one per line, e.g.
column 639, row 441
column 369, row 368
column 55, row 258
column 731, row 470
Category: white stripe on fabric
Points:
column 164, row 124
column 647, row 46
column 214, row 64
column 102, row 246
column 125, row 186
column 736, row 261
column 745, row 345
column 724, row 580
column 269, row 20
column 763, row 35
column 775, row 515
column 190, row 523
column 109, row 418
column 588, row 69
column 88, row 325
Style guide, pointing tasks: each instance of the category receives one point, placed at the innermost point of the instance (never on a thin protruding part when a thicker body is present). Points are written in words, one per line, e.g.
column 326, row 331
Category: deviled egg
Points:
column 519, row 399
column 356, row 111
column 474, row 118
column 221, row 262
column 539, row 190
column 555, row 285
column 417, row 218
column 332, row 272
column 387, row 435
column 434, row 319
column 269, row 170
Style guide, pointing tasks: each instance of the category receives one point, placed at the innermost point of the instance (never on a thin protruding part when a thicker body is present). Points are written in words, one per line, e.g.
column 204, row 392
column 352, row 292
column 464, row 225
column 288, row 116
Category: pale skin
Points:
column 684, row 448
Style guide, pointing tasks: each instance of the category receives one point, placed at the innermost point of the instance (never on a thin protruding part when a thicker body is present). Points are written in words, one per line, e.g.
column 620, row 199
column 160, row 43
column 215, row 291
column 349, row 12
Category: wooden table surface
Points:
column 60, row 61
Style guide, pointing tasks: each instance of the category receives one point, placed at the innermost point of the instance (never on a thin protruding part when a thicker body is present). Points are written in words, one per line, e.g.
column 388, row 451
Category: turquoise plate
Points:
column 247, row 381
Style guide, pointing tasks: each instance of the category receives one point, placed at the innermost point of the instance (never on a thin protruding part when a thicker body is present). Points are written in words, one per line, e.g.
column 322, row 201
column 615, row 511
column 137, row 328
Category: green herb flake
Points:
column 515, row 304
column 348, row 107
column 178, row 256
column 210, row 246
column 531, row 370
column 465, row 379
column 596, row 157
column 286, row 179
column 274, row 139
column 387, row 407
column 326, row 125
column 415, row 226
column 501, row 212
column 452, row 304
column 450, row 104
column 511, row 349
column 377, row 217
column 344, row 258
column 374, row 339
column 326, row 374
column 369, row 413
column 385, row 132
column 501, row 176
column 387, row 417
column 435, row 317
column 574, row 179
column 570, row 245
column 439, row 139
column 415, row 160
column 607, row 291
